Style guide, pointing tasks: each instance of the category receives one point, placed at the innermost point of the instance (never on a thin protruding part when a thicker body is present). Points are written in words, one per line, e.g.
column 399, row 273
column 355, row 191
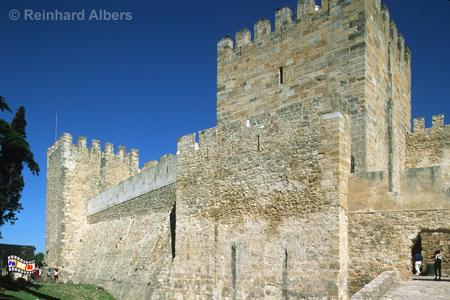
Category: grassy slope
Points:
column 52, row 291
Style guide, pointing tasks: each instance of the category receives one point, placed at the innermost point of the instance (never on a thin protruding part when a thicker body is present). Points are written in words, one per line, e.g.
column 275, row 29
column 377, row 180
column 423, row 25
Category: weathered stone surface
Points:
column 420, row 290
column 267, row 197
column 378, row 287
column 432, row 240
column 76, row 173
column 420, row 188
column 428, row 147
column 263, row 206
column 128, row 253
column 383, row 240
column 149, row 179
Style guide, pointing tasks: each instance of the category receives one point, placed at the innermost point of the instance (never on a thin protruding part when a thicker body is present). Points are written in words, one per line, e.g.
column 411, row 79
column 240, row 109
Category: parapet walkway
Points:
column 425, row 288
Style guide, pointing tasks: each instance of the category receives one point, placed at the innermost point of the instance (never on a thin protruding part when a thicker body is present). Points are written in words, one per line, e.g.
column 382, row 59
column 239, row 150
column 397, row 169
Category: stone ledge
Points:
column 379, row 286
column 150, row 179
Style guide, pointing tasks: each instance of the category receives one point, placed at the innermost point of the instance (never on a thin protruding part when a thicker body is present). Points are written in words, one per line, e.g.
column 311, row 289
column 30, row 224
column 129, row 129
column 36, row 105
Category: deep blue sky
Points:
column 146, row 82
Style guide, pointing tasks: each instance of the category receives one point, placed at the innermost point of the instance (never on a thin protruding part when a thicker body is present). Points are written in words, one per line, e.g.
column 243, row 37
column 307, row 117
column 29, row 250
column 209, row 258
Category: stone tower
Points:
column 76, row 173
column 264, row 205
column 348, row 54
column 299, row 107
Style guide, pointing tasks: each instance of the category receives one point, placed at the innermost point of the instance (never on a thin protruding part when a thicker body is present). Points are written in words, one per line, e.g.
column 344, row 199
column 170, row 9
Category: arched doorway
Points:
column 427, row 242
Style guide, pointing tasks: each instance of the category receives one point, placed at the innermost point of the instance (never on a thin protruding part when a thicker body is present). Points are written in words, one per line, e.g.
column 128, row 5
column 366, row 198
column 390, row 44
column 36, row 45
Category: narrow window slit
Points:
column 173, row 225
column 285, row 258
column 352, row 165
column 233, row 270
column 285, row 277
column 281, row 75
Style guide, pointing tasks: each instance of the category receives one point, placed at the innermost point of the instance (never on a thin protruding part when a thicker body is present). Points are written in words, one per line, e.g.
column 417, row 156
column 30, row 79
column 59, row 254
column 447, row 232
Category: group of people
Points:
column 55, row 274
column 437, row 258
column 51, row 274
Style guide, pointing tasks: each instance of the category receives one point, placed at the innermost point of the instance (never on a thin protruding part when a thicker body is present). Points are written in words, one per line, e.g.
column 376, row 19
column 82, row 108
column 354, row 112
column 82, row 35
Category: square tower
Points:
column 346, row 54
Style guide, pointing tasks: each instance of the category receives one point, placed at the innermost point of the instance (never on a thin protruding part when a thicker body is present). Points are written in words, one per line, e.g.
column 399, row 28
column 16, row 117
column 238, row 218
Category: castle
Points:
column 311, row 184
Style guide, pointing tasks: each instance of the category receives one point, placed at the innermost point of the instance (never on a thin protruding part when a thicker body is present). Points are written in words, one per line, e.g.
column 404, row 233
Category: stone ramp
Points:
column 425, row 288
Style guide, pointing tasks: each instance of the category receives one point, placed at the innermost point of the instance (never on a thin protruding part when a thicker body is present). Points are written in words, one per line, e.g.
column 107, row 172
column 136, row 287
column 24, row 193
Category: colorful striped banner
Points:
column 17, row 264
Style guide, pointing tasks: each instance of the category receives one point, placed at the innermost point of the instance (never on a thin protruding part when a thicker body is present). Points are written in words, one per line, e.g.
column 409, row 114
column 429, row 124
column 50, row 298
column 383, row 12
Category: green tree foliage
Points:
column 38, row 259
column 3, row 105
column 15, row 153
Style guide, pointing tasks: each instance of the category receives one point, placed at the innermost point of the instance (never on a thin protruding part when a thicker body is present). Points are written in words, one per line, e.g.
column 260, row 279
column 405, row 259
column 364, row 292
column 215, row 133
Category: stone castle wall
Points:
column 264, row 205
column 385, row 113
column 259, row 206
column 299, row 60
column 362, row 60
column 75, row 174
column 163, row 173
column 424, row 180
column 428, row 147
column 127, row 248
column 384, row 226
column 381, row 241
column 320, row 53
column 421, row 188
column 432, row 240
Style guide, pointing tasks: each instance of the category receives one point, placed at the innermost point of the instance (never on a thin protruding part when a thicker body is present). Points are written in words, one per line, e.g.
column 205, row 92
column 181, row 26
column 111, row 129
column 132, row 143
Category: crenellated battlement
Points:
column 313, row 122
column 187, row 143
column 107, row 166
column 306, row 7
column 397, row 40
column 66, row 140
column 426, row 147
column 75, row 173
column 251, row 130
column 211, row 137
column 283, row 18
column 438, row 123
column 349, row 54
column 243, row 38
column 307, row 13
column 262, row 29
column 398, row 43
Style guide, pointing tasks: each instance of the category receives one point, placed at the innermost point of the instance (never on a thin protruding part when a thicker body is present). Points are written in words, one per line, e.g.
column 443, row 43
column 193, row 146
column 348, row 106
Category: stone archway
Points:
column 428, row 241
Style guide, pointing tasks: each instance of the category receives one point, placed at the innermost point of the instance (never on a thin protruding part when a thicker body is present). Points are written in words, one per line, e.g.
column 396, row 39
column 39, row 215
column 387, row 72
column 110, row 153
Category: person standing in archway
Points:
column 437, row 265
column 418, row 262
